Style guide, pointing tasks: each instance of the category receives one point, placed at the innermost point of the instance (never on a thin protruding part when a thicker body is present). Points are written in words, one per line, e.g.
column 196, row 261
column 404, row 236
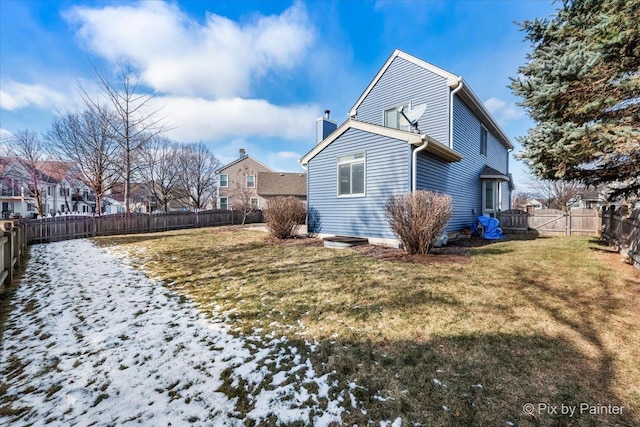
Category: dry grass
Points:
column 439, row 343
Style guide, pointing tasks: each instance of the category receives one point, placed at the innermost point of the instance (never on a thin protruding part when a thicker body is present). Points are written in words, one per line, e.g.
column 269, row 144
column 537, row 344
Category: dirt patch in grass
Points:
column 484, row 329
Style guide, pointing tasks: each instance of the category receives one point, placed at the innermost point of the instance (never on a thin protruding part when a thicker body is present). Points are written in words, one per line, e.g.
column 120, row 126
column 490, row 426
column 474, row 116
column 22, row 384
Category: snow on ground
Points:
column 101, row 344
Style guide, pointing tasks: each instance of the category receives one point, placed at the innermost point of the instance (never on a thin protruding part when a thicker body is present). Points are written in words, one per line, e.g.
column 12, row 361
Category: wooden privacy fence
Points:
column 551, row 222
column 13, row 248
column 74, row 227
column 621, row 228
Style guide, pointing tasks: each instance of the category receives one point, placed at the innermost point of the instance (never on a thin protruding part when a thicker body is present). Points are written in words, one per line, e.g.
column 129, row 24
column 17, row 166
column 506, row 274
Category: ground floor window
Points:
column 223, row 203
column 351, row 175
column 254, row 203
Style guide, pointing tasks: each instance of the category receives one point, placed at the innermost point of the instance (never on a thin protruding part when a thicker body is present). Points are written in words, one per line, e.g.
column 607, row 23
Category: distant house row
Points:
column 243, row 183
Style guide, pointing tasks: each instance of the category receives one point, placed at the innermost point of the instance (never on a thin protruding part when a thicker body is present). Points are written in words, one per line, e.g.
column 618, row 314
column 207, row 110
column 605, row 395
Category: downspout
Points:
column 458, row 85
column 414, row 162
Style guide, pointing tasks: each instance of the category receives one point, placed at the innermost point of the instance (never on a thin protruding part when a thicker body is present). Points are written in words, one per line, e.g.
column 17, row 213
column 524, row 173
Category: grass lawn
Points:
column 464, row 339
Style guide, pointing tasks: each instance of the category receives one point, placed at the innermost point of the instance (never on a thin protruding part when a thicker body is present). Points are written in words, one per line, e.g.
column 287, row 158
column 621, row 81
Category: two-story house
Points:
column 415, row 126
column 50, row 184
column 237, row 183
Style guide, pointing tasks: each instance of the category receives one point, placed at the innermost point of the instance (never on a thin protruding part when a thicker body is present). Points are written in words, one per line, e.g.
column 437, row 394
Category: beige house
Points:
column 238, row 182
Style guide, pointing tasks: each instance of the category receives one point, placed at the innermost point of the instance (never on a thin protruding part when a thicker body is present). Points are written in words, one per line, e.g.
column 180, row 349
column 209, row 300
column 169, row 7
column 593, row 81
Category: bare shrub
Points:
column 418, row 218
column 283, row 215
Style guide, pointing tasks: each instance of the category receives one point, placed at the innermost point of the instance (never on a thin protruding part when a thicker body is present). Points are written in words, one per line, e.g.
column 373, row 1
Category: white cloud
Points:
column 196, row 119
column 5, row 134
column 178, row 55
column 15, row 95
column 504, row 111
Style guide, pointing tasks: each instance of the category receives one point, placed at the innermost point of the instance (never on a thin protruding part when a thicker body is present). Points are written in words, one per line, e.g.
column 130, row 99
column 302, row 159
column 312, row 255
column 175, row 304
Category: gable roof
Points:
column 434, row 147
column 236, row 161
column 282, row 184
column 466, row 94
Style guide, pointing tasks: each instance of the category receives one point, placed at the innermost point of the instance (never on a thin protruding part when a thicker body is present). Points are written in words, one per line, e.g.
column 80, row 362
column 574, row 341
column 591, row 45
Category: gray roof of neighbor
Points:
column 282, row 184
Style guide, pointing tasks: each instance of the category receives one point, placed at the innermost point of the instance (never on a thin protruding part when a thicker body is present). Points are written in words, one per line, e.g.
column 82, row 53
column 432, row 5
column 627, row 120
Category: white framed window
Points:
column 224, row 180
column 483, row 141
column 251, row 181
column 351, row 175
column 223, row 203
column 392, row 117
column 254, row 203
column 491, row 196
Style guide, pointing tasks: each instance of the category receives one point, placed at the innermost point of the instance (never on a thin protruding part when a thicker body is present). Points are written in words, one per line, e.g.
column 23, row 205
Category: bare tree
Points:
column 131, row 122
column 243, row 193
column 161, row 170
column 197, row 175
column 85, row 139
column 30, row 151
column 558, row 194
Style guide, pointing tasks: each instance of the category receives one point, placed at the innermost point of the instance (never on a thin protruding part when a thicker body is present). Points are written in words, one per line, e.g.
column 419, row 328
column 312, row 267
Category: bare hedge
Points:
column 284, row 215
column 418, row 218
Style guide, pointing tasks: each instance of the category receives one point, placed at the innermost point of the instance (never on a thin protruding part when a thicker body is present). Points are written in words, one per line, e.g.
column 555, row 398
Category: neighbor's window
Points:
column 251, row 181
column 351, row 175
column 392, row 117
column 224, row 180
column 224, row 203
column 483, row 141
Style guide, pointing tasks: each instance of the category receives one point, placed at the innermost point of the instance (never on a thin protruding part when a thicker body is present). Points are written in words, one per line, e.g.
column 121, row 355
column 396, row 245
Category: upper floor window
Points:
column 483, row 141
column 224, row 180
column 351, row 175
column 392, row 117
column 251, row 181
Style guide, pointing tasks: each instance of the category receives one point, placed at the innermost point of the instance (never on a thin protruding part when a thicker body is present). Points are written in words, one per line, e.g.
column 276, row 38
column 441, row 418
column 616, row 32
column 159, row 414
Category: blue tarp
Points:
column 492, row 228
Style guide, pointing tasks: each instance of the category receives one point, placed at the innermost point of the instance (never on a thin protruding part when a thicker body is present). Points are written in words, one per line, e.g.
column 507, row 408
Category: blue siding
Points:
column 404, row 82
column 461, row 180
column 387, row 173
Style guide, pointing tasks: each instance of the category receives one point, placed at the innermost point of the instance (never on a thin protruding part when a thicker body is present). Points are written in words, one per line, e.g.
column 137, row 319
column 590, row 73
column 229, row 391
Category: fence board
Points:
column 621, row 228
column 551, row 222
column 74, row 227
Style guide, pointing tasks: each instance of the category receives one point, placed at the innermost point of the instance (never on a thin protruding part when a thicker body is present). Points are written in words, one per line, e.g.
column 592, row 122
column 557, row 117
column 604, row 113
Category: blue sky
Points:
column 253, row 74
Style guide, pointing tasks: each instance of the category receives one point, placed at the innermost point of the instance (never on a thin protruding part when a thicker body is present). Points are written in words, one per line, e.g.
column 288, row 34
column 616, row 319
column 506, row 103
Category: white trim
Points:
column 398, row 54
column 339, row 163
column 452, row 82
column 220, row 180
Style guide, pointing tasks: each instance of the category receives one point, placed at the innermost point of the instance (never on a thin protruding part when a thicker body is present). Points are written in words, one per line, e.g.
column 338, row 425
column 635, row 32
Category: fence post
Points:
column 610, row 230
column 9, row 248
column 567, row 222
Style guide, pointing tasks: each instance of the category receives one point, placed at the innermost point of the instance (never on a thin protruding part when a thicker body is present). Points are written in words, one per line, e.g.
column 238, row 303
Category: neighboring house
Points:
column 238, row 182
column 274, row 184
column 456, row 148
column 533, row 204
column 592, row 198
column 60, row 192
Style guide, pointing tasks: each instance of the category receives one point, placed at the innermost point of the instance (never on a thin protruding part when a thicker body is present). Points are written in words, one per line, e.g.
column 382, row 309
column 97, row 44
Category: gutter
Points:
column 414, row 161
column 456, row 85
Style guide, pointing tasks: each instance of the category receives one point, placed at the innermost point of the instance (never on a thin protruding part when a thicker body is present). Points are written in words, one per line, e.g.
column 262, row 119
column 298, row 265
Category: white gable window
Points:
column 392, row 117
column 224, row 180
column 251, row 181
column 351, row 175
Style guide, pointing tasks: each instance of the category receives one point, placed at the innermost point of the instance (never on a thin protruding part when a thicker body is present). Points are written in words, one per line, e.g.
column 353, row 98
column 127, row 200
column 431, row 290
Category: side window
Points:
column 224, row 180
column 251, row 181
column 224, row 203
column 483, row 141
column 351, row 175
column 392, row 117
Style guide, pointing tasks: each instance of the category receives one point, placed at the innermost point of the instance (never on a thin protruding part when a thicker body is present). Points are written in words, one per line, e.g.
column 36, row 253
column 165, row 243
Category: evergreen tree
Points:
column 581, row 85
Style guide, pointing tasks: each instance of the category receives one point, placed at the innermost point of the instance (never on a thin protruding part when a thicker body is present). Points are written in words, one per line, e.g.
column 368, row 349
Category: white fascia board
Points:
column 439, row 149
column 402, row 135
column 399, row 54
column 504, row 139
